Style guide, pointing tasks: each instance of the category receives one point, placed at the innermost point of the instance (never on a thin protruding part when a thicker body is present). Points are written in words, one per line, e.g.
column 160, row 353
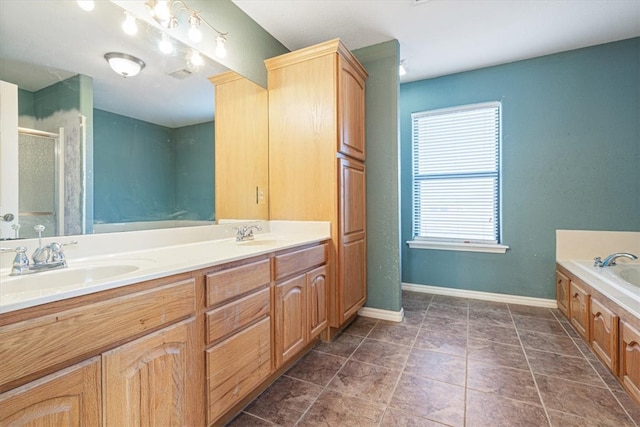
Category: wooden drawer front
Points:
column 67, row 398
column 630, row 359
column 46, row 343
column 604, row 334
column 562, row 293
column 226, row 284
column 580, row 309
column 236, row 366
column 298, row 261
column 236, row 315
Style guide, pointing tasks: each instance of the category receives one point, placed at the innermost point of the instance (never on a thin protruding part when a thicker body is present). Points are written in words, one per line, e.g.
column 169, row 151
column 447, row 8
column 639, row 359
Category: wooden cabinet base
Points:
column 70, row 397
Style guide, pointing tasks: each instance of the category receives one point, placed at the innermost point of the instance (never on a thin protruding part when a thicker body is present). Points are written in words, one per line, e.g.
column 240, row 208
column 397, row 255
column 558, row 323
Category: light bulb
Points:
column 195, row 35
column 196, row 59
column 87, row 5
column 221, row 50
column 162, row 12
column 165, row 44
column 129, row 25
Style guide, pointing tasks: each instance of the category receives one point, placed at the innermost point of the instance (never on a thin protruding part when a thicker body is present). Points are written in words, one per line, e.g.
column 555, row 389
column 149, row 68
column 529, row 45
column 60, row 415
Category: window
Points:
column 456, row 178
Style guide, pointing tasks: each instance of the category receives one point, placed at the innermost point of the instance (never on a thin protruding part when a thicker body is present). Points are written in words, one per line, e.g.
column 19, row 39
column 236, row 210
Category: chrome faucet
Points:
column 245, row 232
column 45, row 258
column 611, row 259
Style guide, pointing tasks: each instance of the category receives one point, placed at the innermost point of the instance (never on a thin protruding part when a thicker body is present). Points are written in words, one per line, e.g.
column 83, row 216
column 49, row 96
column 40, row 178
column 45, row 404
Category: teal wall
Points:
column 383, row 206
column 25, row 103
column 571, row 160
column 195, row 163
column 147, row 172
column 248, row 44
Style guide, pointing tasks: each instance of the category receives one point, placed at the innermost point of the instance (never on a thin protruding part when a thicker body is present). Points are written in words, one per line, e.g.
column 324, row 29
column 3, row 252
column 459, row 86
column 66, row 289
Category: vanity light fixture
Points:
column 166, row 14
column 165, row 44
column 402, row 70
column 195, row 59
column 129, row 25
column 221, row 49
column 87, row 5
column 124, row 64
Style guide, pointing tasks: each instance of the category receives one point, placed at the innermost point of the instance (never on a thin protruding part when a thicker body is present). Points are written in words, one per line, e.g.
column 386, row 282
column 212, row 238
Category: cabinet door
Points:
column 562, row 293
column 352, row 275
column 70, row 397
column 351, row 110
column 580, row 309
column 604, row 334
column 317, row 301
column 630, row 359
column 154, row 380
column 291, row 318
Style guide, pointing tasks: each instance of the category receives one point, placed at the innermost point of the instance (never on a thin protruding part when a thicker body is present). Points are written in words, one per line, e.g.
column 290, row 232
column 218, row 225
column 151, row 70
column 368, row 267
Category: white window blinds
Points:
column 456, row 174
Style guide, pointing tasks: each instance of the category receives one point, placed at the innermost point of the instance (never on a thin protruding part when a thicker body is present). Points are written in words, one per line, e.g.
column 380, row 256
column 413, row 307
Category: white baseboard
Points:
column 485, row 296
column 378, row 313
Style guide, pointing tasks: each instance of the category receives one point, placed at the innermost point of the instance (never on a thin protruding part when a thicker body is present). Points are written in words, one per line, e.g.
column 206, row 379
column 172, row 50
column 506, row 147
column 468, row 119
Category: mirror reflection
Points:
column 100, row 152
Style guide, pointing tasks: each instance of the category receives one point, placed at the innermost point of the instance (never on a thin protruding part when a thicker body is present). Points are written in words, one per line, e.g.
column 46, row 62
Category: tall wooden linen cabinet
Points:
column 317, row 160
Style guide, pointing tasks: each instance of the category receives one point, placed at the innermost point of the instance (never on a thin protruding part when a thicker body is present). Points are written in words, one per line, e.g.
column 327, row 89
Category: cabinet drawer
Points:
column 234, row 316
column 298, row 261
column 47, row 342
column 230, row 283
column 236, row 366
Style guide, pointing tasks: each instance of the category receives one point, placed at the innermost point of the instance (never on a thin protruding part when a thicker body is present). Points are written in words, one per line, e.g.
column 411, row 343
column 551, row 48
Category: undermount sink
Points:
column 63, row 279
column 258, row 242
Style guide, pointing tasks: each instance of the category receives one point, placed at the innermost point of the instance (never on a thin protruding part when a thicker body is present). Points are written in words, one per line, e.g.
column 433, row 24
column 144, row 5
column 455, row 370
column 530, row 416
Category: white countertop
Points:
column 146, row 260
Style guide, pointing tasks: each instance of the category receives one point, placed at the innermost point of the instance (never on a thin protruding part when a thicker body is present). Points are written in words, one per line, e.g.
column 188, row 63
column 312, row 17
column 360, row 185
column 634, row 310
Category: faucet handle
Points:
column 57, row 255
column 597, row 262
column 21, row 260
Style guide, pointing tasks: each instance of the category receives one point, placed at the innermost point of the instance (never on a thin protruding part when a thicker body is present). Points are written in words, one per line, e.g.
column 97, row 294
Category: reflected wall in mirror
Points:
column 138, row 152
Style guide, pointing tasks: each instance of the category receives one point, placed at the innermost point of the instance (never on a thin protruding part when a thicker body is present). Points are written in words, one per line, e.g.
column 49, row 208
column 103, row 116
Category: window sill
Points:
column 464, row 247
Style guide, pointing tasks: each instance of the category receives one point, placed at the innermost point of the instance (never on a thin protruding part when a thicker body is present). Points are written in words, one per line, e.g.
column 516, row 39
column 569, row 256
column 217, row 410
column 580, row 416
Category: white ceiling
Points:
column 439, row 37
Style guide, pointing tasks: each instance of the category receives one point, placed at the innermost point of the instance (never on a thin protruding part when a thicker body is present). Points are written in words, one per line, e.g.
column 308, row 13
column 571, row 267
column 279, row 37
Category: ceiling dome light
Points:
column 124, row 64
column 221, row 50
column 129, row 25
column 87, row 5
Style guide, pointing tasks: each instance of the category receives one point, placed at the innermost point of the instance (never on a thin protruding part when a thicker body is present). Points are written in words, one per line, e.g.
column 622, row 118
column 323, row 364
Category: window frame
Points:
column 460, row 244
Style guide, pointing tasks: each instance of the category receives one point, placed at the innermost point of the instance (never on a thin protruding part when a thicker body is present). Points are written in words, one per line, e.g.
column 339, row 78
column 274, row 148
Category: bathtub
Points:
column 621, row 282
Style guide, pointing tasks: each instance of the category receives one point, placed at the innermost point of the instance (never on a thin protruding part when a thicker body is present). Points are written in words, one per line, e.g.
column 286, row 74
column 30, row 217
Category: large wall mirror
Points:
column 100, row 152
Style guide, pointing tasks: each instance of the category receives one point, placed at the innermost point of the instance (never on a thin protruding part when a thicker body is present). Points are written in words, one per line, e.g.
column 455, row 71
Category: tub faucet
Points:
column 611, row 259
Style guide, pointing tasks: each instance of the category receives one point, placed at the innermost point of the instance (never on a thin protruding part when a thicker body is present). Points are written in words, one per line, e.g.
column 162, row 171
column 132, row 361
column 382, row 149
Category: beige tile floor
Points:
column 452, row 362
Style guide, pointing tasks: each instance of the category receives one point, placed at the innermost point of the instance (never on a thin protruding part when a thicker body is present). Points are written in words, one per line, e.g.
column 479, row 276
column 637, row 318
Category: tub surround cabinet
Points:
column 241, row 148
column 610, row 330
column 316, row 160
column 190, row 349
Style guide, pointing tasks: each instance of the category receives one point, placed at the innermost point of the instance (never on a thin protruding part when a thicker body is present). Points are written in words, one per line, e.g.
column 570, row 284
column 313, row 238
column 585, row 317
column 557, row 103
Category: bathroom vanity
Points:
column 187, row 341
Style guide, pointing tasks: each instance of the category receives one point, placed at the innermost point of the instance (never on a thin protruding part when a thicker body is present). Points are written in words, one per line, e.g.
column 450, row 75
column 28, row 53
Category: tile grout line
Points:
column 526, row 357
column 591, row 364
column 404, row 365
column 334, row 375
